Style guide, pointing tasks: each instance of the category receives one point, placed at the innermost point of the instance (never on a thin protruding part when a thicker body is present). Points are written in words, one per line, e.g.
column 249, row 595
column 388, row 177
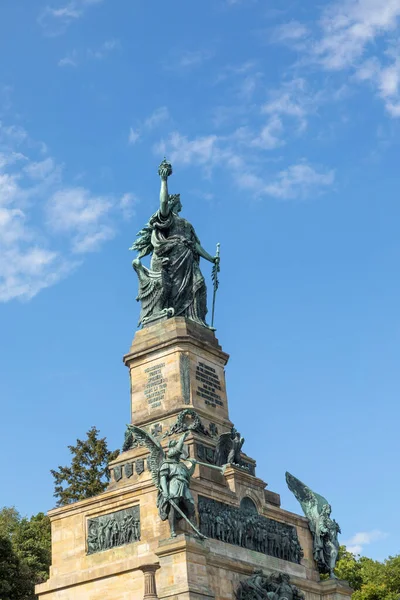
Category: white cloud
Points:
column 45, row 223
column 70, row 60
column 154, row 120
column 78, row 213
column 269, row 136
column 158, row 116
column 300, row 180
column 40, row 169
column 356, row 543
column 134, row 136
column 182, row 150
column 356, row 36
column 128, row 204
column 349, row 26
column 192, row 59
column 293, row 99
column 56, row 20
column 105, row 49
column 297, row 181
column 293, row 31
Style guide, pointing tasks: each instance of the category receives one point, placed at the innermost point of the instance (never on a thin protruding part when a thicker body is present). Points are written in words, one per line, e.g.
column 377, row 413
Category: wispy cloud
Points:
column 46, row 225
column 154, row 120
column 290, row 32
column 157, row 116
column 293, row 99
column 300, row 180
column 128, row 205
column 188, row 60
column 349, row 26
column 356, row 543
column 105, row 49
column 133, row 136
column 55, row 20
column 70, row 60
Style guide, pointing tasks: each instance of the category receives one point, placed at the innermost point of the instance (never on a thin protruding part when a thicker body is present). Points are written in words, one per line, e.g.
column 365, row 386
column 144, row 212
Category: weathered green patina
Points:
column 324, row 529
column 174, row 284
column 171, row 477
column 275, row 586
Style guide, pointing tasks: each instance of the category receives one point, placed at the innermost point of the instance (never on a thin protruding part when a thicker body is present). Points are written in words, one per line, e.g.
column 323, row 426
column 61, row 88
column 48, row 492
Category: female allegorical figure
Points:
column 174, row 284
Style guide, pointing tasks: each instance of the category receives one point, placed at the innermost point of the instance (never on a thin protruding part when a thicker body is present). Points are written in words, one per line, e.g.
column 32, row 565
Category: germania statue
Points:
column 323, row 529
column 174, row 284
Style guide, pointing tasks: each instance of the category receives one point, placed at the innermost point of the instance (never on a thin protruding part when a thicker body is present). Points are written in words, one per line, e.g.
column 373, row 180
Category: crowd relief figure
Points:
column 247, row 529
column 116, row 529
column 174, row 284
column 275, row 586
column 323, row 529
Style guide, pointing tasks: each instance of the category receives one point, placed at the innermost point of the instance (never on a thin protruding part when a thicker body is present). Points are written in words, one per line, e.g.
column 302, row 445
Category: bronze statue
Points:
column 324, row 529
column 267, row 587
column 172, row 479
column 174, row 284
column 228, row 450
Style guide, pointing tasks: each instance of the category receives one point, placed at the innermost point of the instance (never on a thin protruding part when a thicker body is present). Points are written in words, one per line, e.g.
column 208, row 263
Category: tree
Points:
column 24, row 553
column 32, row 542
column 9, row 570
column 88, row 474
column 371, row 579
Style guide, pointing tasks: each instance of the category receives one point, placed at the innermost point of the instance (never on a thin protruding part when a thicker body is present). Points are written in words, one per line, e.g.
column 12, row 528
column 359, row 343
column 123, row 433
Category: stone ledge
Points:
column 126, row 565
column 117, row 494
column 176, row 330
column 243, row 560
column 181, row 543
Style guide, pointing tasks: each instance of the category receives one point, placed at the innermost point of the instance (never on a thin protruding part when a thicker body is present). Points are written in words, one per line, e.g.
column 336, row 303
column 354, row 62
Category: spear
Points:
column 214, row 276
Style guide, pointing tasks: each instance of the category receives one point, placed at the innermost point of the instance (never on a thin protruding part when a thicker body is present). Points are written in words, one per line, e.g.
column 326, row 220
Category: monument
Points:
column 185, row 516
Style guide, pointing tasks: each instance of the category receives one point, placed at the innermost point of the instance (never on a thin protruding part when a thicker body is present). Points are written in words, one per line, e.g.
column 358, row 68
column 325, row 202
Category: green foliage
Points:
column 9, row 570
column 88, row 474
column 24, row 553
column 371, row 579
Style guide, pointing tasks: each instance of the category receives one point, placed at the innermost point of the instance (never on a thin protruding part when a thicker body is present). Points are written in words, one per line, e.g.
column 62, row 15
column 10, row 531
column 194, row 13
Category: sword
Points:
column 176, row 507
column 214, row 275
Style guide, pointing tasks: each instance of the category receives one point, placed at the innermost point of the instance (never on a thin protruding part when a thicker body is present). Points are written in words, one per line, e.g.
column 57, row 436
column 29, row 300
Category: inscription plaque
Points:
column 208, row 385
column 115, row 529
column 156, row 384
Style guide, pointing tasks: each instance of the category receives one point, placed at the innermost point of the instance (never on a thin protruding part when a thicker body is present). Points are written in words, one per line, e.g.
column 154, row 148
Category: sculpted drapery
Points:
column 174, row 284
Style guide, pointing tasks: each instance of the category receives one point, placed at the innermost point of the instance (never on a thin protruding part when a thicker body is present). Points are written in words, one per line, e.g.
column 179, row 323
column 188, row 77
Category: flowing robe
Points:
column 174, row 271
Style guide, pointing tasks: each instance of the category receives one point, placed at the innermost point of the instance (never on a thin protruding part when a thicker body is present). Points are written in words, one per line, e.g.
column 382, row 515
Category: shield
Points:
column 129, row 470
column 117, row 473
column 140, row 466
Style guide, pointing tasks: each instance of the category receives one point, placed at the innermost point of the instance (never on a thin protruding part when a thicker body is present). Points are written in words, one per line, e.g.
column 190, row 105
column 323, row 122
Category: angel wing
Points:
column 156, row 452
column 224, row 446
column 310, row 501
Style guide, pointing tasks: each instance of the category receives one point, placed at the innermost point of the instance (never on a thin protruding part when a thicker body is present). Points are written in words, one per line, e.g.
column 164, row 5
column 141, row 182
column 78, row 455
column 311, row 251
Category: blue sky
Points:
column 282, row 125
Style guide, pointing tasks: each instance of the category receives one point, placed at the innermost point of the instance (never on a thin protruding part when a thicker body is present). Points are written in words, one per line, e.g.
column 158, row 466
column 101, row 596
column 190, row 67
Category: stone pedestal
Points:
column 115, row 546
column 175, row 365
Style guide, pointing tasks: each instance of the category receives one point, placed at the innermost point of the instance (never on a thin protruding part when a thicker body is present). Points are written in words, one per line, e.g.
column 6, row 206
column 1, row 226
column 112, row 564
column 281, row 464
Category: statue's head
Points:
column 174, row 450
column 175, row 203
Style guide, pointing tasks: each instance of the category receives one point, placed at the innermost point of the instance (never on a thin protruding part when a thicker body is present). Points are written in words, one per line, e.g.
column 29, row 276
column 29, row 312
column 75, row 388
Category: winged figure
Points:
column 323, row 529
column 171, row 477
column 228, row 449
